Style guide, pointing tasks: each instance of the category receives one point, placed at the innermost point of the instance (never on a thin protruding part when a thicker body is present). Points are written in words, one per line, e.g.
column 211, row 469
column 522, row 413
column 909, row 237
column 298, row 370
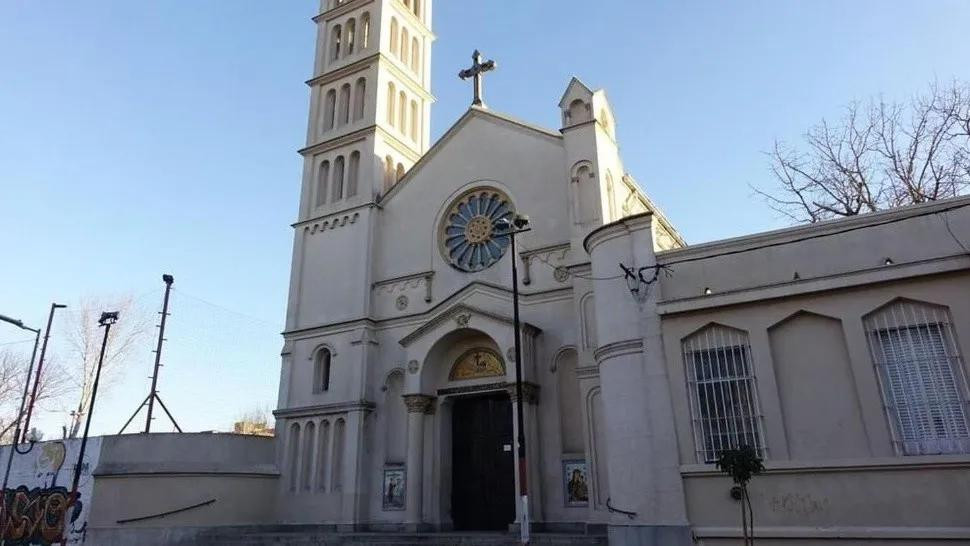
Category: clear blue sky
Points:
column 138, row 138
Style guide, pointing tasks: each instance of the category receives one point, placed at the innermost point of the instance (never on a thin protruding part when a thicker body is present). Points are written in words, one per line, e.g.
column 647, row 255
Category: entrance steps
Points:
column 279, row 537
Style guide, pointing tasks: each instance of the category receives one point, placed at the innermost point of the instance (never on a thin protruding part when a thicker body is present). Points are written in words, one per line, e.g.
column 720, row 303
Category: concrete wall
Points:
column 232, row 479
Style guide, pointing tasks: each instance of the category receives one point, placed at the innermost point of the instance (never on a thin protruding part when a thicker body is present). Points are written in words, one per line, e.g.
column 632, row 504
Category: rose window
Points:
column 473, row 238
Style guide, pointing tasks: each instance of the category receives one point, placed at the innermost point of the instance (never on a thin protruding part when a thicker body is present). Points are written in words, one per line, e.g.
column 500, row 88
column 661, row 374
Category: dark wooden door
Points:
column 483, row 482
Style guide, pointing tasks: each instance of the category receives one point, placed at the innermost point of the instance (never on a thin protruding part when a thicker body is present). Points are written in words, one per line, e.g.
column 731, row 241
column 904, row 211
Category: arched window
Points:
column 307, row 471
column 417, row 8
column 725, row 411
column 920, row 368
column 365, row 31
column 402, row 109
column 321, row 368
column 414, row 121
column 335, row 43
column 578, row 112
column 587, row 195
column 388, row 172
column 394, row 36
column 351, row 29
column 416, row 56
column 343, row 108
column 336, row 478
column 400, row 171
column 391, row 96
column 323, row 454
column 610, row 197
column 405, row 45
column 323, row 177
column 353, row 173
column 588, row 307
column 293, row 449
column 338, row 190
column 329, row 109
column 360, row 93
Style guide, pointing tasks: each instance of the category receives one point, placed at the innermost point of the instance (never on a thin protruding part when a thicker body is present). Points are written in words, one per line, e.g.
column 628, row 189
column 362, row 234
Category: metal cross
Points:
column 476, row 71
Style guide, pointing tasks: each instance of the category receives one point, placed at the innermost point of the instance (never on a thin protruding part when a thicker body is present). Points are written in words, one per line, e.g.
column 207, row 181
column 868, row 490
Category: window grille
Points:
column 725, row 411
column 920, row 372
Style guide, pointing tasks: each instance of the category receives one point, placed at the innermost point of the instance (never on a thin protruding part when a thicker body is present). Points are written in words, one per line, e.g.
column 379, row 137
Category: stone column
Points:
column 418, row 405
column 530, row 396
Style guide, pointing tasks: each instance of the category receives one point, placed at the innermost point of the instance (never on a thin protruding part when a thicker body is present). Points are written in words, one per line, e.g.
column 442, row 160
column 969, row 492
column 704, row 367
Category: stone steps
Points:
column 252, row 537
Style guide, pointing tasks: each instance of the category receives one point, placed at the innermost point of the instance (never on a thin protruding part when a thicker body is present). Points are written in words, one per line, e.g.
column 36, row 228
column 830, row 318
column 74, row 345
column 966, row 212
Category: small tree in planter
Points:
column 742, row 464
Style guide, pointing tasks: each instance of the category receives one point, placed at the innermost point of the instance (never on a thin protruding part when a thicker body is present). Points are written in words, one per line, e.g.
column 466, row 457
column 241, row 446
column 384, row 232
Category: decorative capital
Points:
column 530, row 392
column 418, row 403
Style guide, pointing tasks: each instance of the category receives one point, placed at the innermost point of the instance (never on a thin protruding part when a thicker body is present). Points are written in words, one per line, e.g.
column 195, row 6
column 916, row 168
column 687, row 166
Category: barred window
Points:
column 921, row 376
column 725, row 412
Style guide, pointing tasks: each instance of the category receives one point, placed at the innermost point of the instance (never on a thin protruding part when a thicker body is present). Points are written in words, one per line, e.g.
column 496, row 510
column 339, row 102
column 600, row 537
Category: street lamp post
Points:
column 40, row 367
column 519, row 224
column 20, row 414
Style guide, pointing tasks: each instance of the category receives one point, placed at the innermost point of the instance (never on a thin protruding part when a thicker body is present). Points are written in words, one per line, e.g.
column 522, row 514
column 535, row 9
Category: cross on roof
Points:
column 476, row 71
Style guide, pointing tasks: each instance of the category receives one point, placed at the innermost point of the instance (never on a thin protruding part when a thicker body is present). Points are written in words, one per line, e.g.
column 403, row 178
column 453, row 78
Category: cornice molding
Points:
column 335, row 214
column 617, row 349
column 616, row 229
column 341, row 140
column 459, row 309
column 331, row 76
column 342, row 9
column 325, row 409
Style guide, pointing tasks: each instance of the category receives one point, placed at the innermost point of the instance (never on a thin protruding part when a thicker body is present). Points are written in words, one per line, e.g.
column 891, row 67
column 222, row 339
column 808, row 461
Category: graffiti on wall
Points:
column 39, row 508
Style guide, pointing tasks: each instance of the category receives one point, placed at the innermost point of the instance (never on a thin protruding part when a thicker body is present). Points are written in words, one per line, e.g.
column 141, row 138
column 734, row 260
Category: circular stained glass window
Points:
column 472, row 238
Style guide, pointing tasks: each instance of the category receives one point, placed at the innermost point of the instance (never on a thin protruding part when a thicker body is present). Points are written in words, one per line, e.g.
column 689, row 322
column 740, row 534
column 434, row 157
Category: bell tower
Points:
column 370, row 103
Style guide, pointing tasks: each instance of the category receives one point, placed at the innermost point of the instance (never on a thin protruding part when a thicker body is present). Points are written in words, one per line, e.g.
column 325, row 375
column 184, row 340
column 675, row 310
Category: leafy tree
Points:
column 742, row 464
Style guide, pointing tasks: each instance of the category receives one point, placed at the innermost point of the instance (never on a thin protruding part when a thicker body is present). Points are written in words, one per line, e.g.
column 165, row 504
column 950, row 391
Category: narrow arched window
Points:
column 343, row 108
column 365, row 31
column 578, row 112
column 725, row 411
column 391, row 97
column 351, row 37
column 323, row 454
column 920, row 368
column 417, row 8
column 329, row 109
column 394, row 36
column 400, row 171
column 402, row 109
column 323, row 177
column 416, row 56
column 353, row 173
column 610, row 197
column 338, row 179
column 321, row 370
column 414, row 121
column 336, row 479
column 335, row 43
column 360, row 93
column 405, row 45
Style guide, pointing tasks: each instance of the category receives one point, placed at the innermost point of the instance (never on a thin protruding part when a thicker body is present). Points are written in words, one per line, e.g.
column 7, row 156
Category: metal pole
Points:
column 168, row 279
column 16, row 435
column 107, row 319
column 523, row 475
column 40, row 367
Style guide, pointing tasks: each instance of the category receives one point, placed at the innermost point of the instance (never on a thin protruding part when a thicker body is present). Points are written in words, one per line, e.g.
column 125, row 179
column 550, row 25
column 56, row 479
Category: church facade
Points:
column 832, row 349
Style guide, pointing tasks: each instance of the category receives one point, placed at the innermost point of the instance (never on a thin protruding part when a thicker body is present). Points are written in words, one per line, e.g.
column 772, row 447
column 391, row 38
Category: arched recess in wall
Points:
column 339, row 433
column 415, row 55
column 405, row 46
column 338, row 178
column 323, row 454
column 395, row 419
column 389, row 178
column 391, row 97
column 323, row 177
column 353, row 173
column 578, row 111
column 599, row 462
column 335, row 38
column 351, row 31
column 329, row 110
column 402, row 109
column 400, row 171
column 588, row 306
column 414, row 120
column 585, row 193
column 610, row 197
column 360, row 96
column 394, row 35
column 306, row 471
column 570, row 403
column 293, row 455
column 365, row 30
column 344, row 105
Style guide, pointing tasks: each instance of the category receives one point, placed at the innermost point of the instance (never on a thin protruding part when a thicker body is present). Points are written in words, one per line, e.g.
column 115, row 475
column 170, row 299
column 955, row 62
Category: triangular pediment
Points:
column 462, row 316
column 575, row 89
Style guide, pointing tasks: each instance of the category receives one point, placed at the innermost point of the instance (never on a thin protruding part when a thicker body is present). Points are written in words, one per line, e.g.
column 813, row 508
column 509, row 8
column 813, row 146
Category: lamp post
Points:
column 20, row 414
column 519, row 224
column 40, row 367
